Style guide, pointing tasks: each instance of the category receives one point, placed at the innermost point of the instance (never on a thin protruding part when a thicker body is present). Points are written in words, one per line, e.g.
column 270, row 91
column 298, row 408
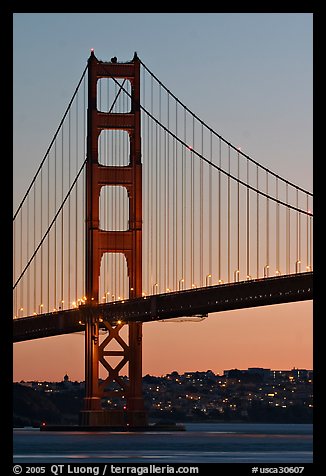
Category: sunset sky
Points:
column 249, row 76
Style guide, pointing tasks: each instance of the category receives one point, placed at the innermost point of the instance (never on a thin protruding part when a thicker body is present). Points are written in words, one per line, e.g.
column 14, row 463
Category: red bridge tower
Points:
column 98, row 242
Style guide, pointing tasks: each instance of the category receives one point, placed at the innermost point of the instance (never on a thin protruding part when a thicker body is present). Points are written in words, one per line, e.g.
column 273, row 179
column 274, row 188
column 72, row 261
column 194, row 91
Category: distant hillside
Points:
column 32, row 407
column 280, row 397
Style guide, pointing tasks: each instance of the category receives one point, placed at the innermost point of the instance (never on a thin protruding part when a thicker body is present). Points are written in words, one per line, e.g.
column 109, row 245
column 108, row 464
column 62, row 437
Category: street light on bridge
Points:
column 207, row 278
column 155, row 286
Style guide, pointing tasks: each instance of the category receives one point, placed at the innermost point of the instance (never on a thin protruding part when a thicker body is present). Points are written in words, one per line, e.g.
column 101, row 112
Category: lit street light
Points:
column 207, row 278
column 297, row 266
column 155, row 286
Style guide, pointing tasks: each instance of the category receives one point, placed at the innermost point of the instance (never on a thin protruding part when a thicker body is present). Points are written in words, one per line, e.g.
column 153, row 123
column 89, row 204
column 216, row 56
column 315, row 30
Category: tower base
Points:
column 104, row 428
column 113, row 418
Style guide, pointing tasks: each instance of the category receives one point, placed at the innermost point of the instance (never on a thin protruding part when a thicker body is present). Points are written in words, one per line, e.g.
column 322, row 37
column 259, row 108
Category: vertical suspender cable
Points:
column 288, row 248
column 151, row 194
column 21, row 259
column 277, row 230
column 173, row 214
column 77, row 210
column 210, row 200
column 112, row 217
column 297, row 234
column 248, row 224
column 297, row 266
column 14, row 268
column 117, row 199
column 191, row 217
column 238, row 220
column 267, row 228
column 184, row 198
column 144, row 179
column 83, row 189
column 175, row 205
column 69, row 207
column 165, row 245
column 307, row 236
column 34, row 246
column 201, row 210
column 112, row 220
column 114, row 206
column 210, row 204
column 121, row 201
column 113, row 223
column 41, row 233
column 125, row 287
column 107, row 144
column 124, row 99
column 55, row 230
column 168, row 198
column 257, row 221
column 103, row 190
column 148, row 206
column 229, row 221
column 219, row 209
column 110, row 194
column 62, row 224
column 311, row 238
column 27, row 254
column 156, row 208
column 116, row 196
column 120, row 198
column 299, row 237
column 146, row 221
column 192, row 211
column 159, row 207
column 48, row 224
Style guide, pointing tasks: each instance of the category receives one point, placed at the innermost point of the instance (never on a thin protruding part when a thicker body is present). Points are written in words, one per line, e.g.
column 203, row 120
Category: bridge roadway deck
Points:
column 222, row 297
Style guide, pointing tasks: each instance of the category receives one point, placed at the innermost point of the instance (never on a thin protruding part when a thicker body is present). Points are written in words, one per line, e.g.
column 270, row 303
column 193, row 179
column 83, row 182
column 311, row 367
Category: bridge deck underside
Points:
column 225, row 297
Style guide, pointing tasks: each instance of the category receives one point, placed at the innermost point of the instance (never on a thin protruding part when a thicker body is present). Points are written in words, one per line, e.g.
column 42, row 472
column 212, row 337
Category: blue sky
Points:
column 247, row 75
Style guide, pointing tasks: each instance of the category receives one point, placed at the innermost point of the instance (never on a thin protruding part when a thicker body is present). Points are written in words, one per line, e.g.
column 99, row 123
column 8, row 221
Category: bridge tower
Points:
column 98, row 242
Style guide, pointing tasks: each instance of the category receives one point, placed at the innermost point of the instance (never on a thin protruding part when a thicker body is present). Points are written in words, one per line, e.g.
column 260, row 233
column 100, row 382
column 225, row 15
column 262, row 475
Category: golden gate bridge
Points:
column 139, row 211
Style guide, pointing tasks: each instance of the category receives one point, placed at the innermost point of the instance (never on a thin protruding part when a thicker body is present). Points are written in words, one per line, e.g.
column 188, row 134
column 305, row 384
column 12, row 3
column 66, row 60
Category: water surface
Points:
column 200, row 443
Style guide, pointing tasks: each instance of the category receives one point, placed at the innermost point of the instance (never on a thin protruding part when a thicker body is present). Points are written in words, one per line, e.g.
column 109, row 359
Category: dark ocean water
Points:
column 200, row 443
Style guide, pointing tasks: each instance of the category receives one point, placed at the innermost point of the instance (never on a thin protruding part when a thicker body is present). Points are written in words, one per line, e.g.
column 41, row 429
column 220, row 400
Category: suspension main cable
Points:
column 51, row 224
column 241, row 182
column 51, row 143
column 222, row 138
